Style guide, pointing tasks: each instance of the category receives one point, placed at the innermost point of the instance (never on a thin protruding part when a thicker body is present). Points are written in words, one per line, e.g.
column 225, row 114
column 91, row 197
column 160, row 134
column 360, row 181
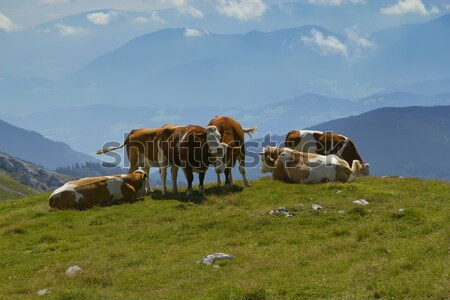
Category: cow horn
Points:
column 260, row 153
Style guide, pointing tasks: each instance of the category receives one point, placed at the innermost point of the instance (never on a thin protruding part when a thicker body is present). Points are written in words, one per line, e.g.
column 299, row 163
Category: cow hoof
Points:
column 189, row 193
column 201, row 189
column 247, row 184
column 175, row 191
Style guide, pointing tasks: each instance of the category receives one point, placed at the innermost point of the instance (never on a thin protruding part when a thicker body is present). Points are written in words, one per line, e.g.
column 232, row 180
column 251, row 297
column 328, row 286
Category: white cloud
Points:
column 434, row 10
column 184, row 7
column 102, row 19
column 326, row 45
column 408, row 6
column 243, row 10
column 152, row 17
column 335, row 2
column 189, row 32
column 357, row 41
column 6, row 24
column 50, row 2
column 65, row 30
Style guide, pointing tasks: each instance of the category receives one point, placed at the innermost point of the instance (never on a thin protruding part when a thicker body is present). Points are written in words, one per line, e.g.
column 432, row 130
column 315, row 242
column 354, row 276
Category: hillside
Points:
column 410, row 141
column 149, row 250
column 16, row 174
column 34, row 147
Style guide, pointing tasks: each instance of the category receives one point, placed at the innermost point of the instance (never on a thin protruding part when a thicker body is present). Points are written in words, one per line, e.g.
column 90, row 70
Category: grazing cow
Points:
column 326, row 143
column 105, row 190
column 186, row 147
column 141, row 151
column 232, row 141
column 301, row 167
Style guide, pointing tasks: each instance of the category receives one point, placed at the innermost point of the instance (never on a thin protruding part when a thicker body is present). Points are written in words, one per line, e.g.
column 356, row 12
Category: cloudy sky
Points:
column 16, row 15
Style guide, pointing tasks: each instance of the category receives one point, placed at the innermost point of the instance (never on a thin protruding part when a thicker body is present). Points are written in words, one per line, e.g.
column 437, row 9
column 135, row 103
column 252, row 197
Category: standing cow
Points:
column 186, row 147
column 104, row 190
column 326, row 143
column 301, row 167
column 141, row 150
column 232, row 140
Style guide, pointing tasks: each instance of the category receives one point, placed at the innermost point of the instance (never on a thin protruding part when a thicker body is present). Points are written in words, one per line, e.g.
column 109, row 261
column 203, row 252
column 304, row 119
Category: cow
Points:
column 186, row 147
column 232, row 141
column 326, row 143
column 293, row 166
column 102, row 191
column 141, row 151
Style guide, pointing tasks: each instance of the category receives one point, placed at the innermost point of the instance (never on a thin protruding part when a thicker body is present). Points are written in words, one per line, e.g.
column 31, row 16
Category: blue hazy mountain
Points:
column 408, row 141
column 34, row 147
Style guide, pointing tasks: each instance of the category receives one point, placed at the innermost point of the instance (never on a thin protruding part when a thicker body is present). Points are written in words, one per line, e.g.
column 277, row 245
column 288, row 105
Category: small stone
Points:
column 401, row 210
column 216, row 266
column 271, row 212
column 361, row 202
column 316, row 207
column 209, row 259
column 341, row 212
column 282, row 210
column 338, row 192
column 43, row 292
column 301, row 205
column 72, row 271
column 401, row 177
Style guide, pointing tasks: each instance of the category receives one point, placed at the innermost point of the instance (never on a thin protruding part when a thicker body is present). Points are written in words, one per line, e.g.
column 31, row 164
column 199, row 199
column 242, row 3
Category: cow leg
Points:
column 129, row 194
column 228, row 178
column 242, row 171
column 163, row 173
column 201, row 178
column 189, row 178
column 174, row 175
column 219, row 182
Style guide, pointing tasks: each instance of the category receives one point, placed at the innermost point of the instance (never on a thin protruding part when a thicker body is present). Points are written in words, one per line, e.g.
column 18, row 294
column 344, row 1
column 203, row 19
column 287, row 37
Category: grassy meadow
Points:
column 149, row 249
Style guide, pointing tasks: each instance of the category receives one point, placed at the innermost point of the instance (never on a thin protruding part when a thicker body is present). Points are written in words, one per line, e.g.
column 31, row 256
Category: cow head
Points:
column 143, row 177
column 360, row 169
column 268, row 158
column 216, row 149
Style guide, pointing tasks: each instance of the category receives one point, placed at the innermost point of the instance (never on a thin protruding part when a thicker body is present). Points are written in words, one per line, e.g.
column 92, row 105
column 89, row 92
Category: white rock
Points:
column 282, row 210
column 341, row 212
column 72, row 271
column 316, row 207
column 271, row 212
column 338, row 192
column 401, row 210
column 209, row 259
column 43, row 292
column 361, row 202
column 216, row 266
column 301, row 205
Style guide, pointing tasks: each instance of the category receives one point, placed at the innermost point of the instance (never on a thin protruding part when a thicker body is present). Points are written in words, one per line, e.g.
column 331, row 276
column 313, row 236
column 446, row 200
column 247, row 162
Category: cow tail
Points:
column 109, row 149
column 249, row 131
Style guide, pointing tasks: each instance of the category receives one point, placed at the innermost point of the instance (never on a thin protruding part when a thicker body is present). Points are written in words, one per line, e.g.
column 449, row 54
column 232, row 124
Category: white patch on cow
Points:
column 69, row 187
column 307, row 141
column 114, row 186
column 321, row 168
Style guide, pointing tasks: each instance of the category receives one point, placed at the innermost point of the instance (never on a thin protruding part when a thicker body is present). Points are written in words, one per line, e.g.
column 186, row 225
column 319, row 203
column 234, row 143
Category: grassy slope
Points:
column 148, row 250
column 10, row 188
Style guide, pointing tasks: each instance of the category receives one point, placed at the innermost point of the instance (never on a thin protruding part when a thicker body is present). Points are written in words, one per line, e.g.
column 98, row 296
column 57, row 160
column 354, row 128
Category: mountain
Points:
column 34, row 147
column 29, row 174
column 408, row 141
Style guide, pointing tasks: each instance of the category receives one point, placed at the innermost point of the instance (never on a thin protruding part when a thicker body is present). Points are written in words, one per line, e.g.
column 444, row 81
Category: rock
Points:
column 316, row 207
column 401, row 177
column 338, row 192
column 361, row 202
column 301, row 205
column 43, row 292
column 401, row 210
column 216, row 267
column 72, row 271
column 341, row 212
column 281, row 210
column 271, row 212
column 209, row 259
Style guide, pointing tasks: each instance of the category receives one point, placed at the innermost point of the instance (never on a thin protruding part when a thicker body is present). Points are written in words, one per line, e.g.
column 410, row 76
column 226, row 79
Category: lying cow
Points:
column 301, row 167
column 102, row 191
column 141, row 150
column 232, row 140
column 326, row 143
column 186, row 147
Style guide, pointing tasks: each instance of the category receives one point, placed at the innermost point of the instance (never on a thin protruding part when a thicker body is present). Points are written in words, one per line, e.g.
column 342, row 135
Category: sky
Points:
column 21, row 14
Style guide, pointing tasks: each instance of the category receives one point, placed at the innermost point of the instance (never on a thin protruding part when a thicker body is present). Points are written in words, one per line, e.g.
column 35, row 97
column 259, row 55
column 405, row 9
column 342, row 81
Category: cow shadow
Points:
column 197, row 197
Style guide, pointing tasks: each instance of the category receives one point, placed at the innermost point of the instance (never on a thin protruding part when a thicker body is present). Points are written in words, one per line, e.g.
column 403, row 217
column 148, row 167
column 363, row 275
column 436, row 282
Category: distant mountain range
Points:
column 187, row 66
column 34, row 147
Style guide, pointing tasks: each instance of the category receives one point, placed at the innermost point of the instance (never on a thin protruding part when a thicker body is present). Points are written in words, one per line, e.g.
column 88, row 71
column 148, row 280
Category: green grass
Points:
column 10, row 188
column 149, row 250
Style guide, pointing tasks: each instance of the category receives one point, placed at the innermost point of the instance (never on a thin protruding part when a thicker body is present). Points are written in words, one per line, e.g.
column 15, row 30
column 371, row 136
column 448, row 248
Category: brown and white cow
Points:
column 102, row 191
column 185, row 147
column 301, row 167
column 232, row 140
column 326, row 143
column 141, row 150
